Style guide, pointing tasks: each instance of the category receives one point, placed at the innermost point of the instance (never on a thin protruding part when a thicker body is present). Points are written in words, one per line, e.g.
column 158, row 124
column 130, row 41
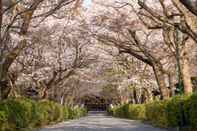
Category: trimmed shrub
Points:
column 70, row 113
column 3, row 117
column 66, row 113
column 176, row 111
column 130, row 111
column 193, row 110
column 156, row 113
column 121, row 111
column 136, row 112
column 3, row 120
column 43, row 113
column 20, row 113
column 110, row 111
column 74, row 113
column 80, row 112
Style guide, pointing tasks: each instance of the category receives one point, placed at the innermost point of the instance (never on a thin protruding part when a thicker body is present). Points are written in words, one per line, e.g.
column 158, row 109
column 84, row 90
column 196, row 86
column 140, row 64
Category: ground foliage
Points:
column 20, row 113
column 177, row 111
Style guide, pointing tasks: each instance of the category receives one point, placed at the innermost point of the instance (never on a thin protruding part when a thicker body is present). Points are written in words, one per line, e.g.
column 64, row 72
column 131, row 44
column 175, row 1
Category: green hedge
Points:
column 176, row 111
column 131, row 111
column 156, row 113
column 16, row 114
column 192, row 110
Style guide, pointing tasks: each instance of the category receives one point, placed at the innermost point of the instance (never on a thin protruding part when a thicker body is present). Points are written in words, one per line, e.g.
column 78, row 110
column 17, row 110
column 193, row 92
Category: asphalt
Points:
column 99, row 121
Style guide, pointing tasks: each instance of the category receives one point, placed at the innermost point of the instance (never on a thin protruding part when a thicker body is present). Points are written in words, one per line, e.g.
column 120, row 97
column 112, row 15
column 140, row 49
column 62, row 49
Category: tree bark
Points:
column 160, row 78
column 1, row 19
column 191, row 5
column 182, row 58
column 5, row 62
column 171, row 85
column 185, row 71
column 4, row 89
column 135, row 96
column 6, row 59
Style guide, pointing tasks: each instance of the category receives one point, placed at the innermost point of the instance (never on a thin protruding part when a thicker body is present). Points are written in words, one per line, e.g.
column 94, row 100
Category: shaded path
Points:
column 98, row 121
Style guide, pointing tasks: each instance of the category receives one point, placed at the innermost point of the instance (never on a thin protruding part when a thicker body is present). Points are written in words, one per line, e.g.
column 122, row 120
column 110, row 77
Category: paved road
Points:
column 98, row 121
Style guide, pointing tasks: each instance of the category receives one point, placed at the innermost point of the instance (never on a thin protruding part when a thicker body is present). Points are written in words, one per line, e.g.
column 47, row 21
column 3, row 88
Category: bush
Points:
column 59, row 114
column 156, row 113
column 79, row 112
column 110, row 111
column 192, row 109
column 19, row 113
column 52, row 111
column 43, row 113
column 66, row 113
column 76, row 112
column 120, row 111
column 130, row 111
column 3, row 120
column 177, row 111
column 70, row 113
column 16, row 114
column 3, row 117
column 136, row 112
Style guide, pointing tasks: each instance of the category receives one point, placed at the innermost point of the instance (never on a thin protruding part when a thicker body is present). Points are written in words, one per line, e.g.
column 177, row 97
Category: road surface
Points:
column 99, row 121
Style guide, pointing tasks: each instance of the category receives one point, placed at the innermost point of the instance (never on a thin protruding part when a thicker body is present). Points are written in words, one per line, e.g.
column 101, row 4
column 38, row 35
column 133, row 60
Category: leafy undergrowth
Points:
column 20, row 113
column 176, row 111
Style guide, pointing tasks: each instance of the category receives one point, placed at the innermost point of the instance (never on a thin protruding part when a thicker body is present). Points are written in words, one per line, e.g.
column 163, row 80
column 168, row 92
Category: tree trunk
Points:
column 182, row 58
column 4, row 89
column 160, row 78
column 135, row 96
column 4, row 82
column 191, row 5
column 6, row 60
column 185, row 71
column 1, row 19
column 62, row 102
column 44, row 94
column 171, row 85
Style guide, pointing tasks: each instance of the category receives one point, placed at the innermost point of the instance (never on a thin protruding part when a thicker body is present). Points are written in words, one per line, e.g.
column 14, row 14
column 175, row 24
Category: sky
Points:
column 87, row 3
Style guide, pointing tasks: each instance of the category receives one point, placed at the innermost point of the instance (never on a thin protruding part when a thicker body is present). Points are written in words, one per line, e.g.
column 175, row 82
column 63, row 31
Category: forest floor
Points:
column 99, row 121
